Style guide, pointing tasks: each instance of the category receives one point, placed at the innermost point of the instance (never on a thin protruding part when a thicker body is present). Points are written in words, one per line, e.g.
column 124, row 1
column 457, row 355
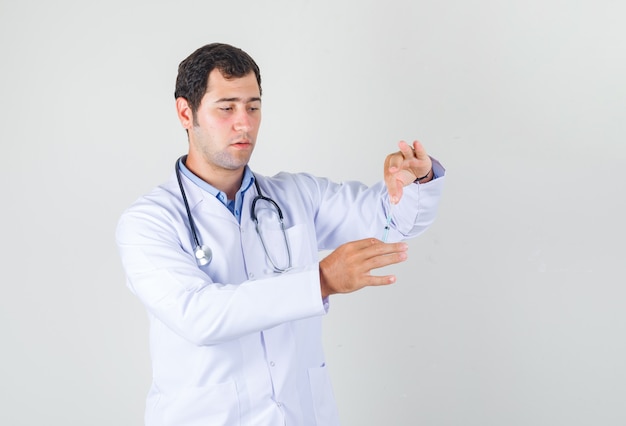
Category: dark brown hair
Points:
column 193, row 72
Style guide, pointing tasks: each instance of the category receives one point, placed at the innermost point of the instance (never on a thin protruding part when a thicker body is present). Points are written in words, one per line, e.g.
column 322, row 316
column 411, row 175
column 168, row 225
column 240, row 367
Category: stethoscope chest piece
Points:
column 203, row 255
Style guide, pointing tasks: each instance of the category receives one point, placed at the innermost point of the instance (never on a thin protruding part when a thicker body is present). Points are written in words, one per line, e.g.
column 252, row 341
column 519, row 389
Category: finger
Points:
column 381, row 248
column 371, row 247
column 366, row 243
column 398, row 159
column 385, row 260
column 394, row 191
column 419, row 150
column 392, row 171
column 376, row 254
column 394, row 162
column 406, row 150
column 374, row 280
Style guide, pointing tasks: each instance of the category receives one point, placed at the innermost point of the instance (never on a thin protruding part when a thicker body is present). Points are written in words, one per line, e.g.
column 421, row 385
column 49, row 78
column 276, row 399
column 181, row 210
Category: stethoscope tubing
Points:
column 203, row 253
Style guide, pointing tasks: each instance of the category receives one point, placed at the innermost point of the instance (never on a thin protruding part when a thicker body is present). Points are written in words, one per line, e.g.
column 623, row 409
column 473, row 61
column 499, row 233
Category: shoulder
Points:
column 287, row 180
column 161, row 204
column 160, row 197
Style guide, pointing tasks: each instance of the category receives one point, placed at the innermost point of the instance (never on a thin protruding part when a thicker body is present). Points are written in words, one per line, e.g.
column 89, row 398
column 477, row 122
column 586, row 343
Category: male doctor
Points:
column 235, row 308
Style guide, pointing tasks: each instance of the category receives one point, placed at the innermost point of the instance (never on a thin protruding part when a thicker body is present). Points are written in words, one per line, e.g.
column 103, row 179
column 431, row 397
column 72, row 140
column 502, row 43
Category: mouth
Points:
column 242, row 144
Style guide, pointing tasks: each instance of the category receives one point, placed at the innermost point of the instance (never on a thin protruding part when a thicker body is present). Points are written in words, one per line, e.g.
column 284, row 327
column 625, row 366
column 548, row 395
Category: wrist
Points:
column 324, row 289
column 426, row 178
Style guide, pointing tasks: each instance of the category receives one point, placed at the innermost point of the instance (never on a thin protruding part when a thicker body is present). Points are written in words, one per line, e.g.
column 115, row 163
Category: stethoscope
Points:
column 203, row 253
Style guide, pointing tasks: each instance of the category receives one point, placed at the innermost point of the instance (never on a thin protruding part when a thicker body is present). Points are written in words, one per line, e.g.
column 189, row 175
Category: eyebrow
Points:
column 254, row 99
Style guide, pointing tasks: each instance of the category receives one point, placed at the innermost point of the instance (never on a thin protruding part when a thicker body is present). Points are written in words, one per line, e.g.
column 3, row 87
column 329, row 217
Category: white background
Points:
column 510, row 310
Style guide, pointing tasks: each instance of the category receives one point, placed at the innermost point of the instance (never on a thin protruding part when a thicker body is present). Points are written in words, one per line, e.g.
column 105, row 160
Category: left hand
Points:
column 348, row 268
column 403, row 167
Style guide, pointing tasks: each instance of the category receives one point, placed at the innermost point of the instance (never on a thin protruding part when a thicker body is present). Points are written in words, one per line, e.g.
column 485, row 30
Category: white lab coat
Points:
column 232, row 342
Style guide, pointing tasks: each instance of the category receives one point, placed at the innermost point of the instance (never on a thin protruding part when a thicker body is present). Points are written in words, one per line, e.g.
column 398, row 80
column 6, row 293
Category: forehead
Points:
column 238, row 87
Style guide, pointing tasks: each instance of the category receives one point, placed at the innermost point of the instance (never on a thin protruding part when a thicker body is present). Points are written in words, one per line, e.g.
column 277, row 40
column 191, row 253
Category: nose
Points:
column 243, row 122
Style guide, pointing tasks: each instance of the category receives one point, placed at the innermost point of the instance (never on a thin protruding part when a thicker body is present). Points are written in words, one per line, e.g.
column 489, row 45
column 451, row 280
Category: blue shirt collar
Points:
column 233, row 205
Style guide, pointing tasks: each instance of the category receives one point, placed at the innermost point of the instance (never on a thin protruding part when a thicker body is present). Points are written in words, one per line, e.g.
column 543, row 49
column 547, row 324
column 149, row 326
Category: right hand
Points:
column 348, row 268
column 404, row 166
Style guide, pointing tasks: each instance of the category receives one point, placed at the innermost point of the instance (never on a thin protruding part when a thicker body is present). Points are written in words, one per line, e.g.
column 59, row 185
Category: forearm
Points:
column 211, row 313
column 215, row 303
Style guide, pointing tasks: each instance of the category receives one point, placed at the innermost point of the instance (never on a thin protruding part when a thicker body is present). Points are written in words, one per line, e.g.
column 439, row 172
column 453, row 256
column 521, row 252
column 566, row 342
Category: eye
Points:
column 226, row 108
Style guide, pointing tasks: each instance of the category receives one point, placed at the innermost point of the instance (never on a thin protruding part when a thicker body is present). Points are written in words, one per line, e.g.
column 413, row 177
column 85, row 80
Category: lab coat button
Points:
column 251, row 275
column 272, row 363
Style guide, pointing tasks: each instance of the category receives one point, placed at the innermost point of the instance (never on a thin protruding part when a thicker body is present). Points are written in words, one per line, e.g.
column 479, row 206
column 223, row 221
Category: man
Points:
column 226, row 261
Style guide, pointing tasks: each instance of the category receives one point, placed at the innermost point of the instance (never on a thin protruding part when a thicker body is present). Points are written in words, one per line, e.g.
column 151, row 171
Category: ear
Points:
column 183, row 110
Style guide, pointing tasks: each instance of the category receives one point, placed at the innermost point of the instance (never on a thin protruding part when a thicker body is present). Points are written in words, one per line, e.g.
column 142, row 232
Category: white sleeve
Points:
column 352, row 211
column 418, row 206
column 172, row 287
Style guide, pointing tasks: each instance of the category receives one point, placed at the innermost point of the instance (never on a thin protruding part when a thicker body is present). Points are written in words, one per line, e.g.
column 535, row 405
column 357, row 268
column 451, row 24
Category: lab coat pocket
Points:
column 323, row 400
column 293, row 243
column 299, row 243
column 202, row 405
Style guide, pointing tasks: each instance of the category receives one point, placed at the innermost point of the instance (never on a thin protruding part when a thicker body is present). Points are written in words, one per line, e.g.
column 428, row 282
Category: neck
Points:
column 225, row 180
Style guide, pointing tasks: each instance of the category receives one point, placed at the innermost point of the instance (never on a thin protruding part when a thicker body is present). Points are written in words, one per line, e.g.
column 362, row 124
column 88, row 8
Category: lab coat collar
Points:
column 197, row 189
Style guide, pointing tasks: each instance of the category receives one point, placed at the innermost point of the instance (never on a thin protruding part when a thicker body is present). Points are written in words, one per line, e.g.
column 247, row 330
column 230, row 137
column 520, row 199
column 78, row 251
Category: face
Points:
column 223, row 131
